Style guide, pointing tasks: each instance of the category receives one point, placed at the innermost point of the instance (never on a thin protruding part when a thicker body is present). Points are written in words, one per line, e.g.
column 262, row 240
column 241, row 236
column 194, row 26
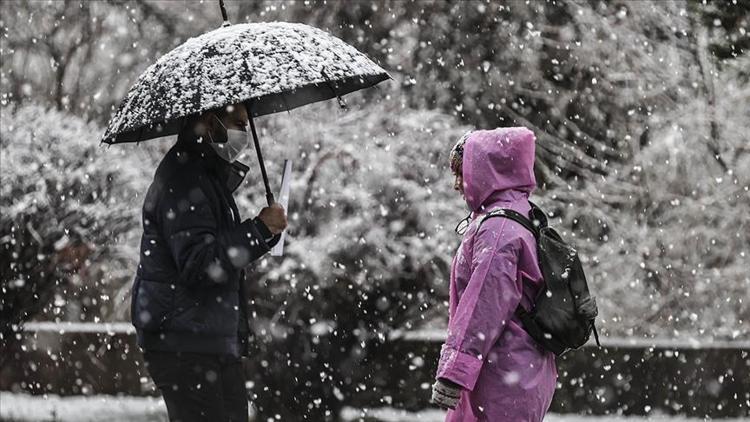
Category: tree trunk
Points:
column 708, row 73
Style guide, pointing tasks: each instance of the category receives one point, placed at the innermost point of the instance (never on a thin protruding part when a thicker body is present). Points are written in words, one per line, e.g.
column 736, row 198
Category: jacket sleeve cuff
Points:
column 253, row 234
column 262, row 228
column 459, row 367
column 270, row 238
column 245, row 244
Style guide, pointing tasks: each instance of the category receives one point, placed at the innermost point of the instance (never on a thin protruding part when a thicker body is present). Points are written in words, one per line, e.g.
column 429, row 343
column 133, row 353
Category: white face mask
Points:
column 236, row 142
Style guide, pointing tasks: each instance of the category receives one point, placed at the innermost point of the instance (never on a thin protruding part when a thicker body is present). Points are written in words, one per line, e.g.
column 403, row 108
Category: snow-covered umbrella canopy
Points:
column 271, row 67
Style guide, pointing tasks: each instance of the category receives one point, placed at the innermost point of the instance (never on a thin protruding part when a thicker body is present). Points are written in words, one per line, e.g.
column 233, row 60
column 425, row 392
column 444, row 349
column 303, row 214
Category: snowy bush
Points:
column 70, row 209
column 666, row 237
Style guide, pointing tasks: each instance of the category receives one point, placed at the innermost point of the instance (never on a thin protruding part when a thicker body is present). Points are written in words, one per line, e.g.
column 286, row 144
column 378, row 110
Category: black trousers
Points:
column 199, row 387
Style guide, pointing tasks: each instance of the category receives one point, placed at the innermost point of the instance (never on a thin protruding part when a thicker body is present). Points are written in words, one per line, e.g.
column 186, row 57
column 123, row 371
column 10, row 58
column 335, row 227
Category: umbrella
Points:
column 270, row 67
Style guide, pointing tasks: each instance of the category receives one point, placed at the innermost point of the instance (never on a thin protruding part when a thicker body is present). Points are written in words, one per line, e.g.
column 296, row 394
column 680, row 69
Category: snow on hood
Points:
column 496, row 163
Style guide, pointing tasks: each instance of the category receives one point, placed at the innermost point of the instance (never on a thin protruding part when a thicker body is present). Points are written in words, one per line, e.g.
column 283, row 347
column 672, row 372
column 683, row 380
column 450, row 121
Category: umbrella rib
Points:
column 283, row 100
column 342, row 104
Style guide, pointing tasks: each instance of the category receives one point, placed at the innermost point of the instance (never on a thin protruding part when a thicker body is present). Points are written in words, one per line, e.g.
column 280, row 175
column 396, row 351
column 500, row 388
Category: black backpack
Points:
column 564, row 312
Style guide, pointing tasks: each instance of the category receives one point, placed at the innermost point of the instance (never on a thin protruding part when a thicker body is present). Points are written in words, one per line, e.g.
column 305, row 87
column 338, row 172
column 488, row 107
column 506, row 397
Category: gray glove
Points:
column 445, row 394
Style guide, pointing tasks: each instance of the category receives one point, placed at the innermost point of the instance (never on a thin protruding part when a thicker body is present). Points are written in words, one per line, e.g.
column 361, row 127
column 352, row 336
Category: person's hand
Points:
column 445, row 394
column 274, row 217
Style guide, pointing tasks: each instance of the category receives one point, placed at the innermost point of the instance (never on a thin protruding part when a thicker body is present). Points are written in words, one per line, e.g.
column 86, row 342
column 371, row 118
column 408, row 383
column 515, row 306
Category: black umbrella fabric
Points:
column 271, row 67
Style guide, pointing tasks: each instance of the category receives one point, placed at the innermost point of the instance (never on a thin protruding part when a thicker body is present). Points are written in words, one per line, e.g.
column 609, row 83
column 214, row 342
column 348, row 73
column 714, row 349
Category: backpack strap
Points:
column 513, row 215
column 526, row 318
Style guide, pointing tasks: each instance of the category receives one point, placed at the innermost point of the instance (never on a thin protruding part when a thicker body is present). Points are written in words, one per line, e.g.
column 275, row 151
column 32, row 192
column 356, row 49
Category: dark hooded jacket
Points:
column 188, row 294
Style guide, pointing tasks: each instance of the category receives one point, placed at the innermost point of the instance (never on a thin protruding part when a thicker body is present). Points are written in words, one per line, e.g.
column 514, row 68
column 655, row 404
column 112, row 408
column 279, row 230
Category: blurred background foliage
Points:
column 640, row 109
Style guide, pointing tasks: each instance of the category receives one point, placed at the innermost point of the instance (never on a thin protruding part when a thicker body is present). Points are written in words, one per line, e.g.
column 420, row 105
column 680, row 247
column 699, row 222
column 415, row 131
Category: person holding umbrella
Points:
column 188, row 302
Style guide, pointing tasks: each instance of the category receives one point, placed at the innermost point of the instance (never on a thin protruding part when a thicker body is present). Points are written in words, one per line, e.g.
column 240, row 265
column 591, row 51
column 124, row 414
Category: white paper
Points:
column 283, row 200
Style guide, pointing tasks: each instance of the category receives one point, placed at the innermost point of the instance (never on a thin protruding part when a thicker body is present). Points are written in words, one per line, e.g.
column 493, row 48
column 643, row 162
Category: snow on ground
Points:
column 27, row 408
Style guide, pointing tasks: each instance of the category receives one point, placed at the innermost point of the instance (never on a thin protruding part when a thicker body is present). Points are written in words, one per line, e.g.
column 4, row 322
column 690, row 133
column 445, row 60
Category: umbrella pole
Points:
column 269, row 194
column 224, row 14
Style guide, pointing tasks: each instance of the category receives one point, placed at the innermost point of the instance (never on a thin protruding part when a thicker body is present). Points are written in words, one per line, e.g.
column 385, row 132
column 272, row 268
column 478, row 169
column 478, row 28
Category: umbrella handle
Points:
column 269, row 195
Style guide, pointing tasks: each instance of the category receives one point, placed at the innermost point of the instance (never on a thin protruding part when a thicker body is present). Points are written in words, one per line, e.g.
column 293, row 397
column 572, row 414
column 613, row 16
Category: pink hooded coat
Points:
column 506, row 376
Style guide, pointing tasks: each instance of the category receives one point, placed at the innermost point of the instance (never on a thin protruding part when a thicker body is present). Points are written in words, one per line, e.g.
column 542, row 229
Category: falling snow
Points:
column 641, row 118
